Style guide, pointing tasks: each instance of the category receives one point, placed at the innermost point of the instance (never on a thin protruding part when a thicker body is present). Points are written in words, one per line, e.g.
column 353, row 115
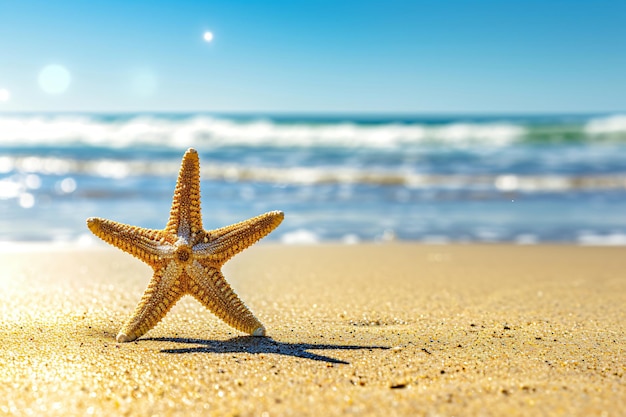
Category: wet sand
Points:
column 390, row 329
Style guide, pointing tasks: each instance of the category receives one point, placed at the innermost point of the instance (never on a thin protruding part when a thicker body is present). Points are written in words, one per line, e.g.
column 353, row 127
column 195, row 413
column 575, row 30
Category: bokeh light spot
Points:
column 54, row 79
column 26, row 200
column 68, row 185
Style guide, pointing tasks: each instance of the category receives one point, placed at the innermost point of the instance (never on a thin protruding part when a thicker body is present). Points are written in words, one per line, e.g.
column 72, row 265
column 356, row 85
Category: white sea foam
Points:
column 300, row 237
column 615, row 124
column 110, row 168
column 214, row 132
column 595, row 239
column 10, row 189
column 526, row 239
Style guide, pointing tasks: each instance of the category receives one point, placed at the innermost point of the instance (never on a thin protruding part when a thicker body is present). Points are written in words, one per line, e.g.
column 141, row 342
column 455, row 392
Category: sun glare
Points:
column 208, row 36
column 54, row 79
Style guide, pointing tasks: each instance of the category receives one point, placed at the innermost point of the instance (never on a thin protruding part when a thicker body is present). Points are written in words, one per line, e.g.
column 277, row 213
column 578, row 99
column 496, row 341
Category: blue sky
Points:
column 315, row 56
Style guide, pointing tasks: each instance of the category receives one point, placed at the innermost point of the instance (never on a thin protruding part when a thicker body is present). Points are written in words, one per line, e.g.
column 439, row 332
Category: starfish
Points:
column 186, row 258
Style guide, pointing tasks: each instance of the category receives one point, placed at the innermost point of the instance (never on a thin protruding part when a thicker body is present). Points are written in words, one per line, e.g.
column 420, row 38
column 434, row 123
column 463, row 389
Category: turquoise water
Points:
column 523, row 179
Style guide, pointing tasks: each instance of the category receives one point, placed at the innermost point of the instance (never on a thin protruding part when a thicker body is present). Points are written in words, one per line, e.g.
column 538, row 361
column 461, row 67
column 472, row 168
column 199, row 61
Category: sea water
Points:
column 341, row 178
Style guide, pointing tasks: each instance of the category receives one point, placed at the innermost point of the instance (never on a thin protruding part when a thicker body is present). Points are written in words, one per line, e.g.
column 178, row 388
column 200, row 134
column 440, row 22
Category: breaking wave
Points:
column 110, row 168
column 182, row 131
column 208, row 131
column 611, row 125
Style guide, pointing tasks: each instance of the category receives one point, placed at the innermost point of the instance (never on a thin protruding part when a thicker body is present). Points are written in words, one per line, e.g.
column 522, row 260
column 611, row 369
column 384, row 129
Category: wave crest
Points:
column 507, row 183
column 171, row 132
column 610, row 125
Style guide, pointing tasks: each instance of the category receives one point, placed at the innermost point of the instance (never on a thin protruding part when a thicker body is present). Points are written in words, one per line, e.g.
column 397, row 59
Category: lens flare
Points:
column 5, row 95
column 54, row 79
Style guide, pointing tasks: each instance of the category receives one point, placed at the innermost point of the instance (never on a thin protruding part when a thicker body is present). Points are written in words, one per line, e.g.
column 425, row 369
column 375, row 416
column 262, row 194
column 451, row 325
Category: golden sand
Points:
column 398, row 329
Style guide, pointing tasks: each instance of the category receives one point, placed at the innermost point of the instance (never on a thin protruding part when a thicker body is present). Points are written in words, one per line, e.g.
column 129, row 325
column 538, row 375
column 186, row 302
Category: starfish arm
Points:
column 145, row 244
column 224, row 243
column 209, row 287
column 163, row 291
column 185, row 215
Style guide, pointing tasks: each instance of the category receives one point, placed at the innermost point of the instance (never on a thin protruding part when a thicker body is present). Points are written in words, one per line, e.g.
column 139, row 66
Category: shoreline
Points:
column 402, row 328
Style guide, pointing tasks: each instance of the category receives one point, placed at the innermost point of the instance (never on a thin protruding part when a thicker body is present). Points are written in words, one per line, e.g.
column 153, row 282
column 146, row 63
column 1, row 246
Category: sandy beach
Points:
column 389, row 329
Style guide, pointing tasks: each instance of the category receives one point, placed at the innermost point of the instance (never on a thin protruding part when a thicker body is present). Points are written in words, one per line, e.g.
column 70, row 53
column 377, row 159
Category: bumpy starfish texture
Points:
column 186, row 258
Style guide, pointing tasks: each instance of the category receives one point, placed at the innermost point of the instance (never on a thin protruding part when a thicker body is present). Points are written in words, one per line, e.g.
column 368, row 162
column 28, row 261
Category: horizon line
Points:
column 334, row 113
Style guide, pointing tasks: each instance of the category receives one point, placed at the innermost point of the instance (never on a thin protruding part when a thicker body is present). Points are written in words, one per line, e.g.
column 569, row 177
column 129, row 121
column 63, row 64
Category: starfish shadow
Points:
column 258, row 345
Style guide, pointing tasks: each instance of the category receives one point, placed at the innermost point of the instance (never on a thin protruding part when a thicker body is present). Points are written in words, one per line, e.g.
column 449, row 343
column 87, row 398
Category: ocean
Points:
column 338, row 178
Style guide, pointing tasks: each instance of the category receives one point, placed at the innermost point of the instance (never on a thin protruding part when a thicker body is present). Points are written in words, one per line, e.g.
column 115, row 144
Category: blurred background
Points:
column 440, row 122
